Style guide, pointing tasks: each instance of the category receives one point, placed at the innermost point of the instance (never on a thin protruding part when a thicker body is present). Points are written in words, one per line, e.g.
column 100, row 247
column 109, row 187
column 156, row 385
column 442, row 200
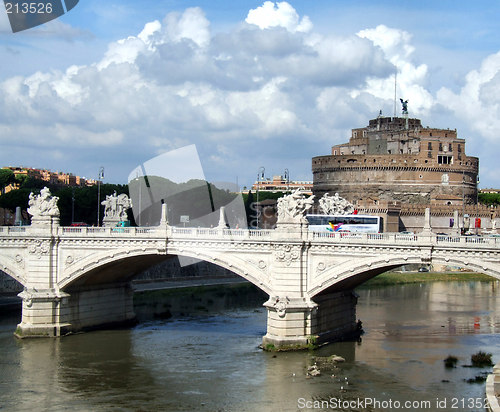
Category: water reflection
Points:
column 211, row 361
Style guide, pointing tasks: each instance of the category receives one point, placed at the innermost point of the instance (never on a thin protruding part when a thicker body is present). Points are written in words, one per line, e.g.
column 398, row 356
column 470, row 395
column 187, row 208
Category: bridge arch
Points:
column 8, row 267
column 103, row 267
column 350, row 274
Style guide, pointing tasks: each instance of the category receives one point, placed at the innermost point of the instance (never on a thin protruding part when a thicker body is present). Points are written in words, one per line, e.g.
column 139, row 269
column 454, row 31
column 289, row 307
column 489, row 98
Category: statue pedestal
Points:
column 110, row 221
column 290, row 230
column 45, row 223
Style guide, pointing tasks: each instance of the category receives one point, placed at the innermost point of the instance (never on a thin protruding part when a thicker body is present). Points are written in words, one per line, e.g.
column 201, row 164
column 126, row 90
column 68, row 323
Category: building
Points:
column 396, row 168
column 55, row 178
column 281, row 184
column 397, row 159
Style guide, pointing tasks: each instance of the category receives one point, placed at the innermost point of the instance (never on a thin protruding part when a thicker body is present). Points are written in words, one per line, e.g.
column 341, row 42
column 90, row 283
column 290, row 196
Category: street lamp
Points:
column 100, row 176
column 260, row 174
column 287, row 179
column 477, row 203
column 73, row 204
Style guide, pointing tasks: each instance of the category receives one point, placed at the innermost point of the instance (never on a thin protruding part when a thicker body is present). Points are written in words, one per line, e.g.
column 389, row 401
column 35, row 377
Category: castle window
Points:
column 429, row 155
column 460, row 156
column 355, row 134
column 334, row 152
column 440, row 147
column 388, row 151
column 459, row 148
column 429, row 146
column 445, row 160
column 352, row 151
column 400, row 151
column 430, row 134
column 450, row 147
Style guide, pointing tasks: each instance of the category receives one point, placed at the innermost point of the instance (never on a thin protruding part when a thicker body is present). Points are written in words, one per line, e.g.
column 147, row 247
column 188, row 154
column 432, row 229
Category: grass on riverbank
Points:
column 396, row 278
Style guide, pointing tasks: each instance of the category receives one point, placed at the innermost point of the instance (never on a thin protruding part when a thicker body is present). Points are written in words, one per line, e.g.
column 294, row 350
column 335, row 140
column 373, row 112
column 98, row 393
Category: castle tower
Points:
column 396, row 158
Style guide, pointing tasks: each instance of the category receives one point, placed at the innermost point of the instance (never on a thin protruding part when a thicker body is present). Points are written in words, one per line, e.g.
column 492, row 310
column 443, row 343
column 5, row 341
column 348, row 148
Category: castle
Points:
column 396, row 168
column 396, row 158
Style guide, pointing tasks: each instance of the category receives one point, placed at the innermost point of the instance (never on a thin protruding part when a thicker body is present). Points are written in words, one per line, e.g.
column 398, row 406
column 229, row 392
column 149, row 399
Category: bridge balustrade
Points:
column 448, row 239
column 406, row 237
column 211, row 232
column 13, row 229
column 106, row 231
column 479, row 241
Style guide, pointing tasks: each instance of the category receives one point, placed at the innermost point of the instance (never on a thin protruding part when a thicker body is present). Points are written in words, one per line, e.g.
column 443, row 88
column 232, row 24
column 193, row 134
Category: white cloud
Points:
column 244, row 95
column 411, row 78
column 479, row 99
column 280, row 15
column 191, row 25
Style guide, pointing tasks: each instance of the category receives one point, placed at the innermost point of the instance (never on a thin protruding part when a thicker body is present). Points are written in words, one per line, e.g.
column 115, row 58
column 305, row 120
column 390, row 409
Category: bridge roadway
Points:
column 78, row 278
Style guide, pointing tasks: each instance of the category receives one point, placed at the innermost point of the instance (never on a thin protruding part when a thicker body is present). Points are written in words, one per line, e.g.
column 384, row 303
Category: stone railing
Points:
column 210, row 232
column 404, row 238
column 106, row 231
column 329, row 237
column 5, row 230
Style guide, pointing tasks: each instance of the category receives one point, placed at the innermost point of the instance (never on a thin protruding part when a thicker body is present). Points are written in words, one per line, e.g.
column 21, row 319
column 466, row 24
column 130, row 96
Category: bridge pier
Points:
column 295, row 323
column 50, row 313
column 336, row 316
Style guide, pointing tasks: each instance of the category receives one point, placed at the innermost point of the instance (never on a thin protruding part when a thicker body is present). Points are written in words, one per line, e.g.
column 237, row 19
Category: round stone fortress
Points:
column 396, row 158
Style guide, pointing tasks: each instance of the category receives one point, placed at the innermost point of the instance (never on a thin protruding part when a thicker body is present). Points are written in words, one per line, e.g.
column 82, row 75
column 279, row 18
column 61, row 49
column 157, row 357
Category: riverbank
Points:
column 197, row 299
column 396, row 278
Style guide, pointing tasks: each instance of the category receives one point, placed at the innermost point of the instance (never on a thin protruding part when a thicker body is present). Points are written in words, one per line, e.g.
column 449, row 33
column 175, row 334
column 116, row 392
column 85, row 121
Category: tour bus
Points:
column 345, row 223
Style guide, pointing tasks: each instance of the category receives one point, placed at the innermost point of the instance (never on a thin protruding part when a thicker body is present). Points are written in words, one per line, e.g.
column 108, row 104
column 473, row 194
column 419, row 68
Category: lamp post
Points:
column 100, row 176
column 260, row 174
column 72, row 204
column 287, row 179
column 462, row 232
column 477, row 203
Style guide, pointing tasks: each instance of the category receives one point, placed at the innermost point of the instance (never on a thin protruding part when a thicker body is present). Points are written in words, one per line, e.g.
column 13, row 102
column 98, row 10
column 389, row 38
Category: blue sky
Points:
column 250, row 83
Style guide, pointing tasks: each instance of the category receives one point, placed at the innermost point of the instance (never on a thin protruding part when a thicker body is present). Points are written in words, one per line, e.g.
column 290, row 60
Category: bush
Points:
column 451, row 361
column 481, row 359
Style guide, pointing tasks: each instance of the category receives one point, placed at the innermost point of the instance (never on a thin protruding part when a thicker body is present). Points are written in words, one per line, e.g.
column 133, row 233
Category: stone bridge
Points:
column 78, row 278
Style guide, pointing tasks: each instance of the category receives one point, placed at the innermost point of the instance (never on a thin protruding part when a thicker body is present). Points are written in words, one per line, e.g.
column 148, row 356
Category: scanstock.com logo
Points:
column 25, row 14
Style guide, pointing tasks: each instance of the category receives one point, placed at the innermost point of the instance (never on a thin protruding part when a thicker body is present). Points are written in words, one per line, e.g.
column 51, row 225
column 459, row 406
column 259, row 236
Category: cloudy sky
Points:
column 115, row 83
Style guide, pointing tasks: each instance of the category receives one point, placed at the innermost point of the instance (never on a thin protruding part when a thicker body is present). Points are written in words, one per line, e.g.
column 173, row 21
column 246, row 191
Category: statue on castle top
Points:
column 292, row 208
column 405, row 106
column 335, row 205
column 116, row 206
column 43, row 205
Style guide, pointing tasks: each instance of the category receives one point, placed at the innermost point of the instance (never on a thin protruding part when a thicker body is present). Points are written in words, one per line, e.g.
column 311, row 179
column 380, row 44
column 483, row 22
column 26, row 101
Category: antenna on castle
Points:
column 395, row 87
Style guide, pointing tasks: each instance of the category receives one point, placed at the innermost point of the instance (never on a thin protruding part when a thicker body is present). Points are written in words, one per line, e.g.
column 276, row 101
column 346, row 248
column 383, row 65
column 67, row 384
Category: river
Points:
column 210, row 361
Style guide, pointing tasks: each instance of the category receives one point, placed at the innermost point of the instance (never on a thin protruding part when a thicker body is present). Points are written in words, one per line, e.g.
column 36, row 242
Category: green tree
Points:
column 489, row 198
column 6, row 178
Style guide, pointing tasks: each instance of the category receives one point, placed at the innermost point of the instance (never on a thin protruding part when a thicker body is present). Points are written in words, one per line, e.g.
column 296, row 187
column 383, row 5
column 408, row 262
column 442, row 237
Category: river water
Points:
column 211, row 362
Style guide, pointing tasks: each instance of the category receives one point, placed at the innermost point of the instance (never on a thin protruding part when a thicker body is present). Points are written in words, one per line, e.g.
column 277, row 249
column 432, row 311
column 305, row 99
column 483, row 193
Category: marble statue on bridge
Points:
column 293, row 207
column 43, row 205
column 335, row 205
column 115, row 208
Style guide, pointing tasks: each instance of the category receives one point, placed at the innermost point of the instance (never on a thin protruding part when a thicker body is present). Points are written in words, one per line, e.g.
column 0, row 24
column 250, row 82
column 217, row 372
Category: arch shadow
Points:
column 118, row 266
column 7, row 268
column 348, row 276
